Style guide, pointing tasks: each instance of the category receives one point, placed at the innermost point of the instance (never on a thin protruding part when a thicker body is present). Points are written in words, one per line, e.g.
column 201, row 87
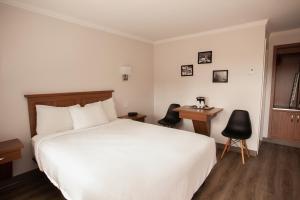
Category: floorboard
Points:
column 273, row 175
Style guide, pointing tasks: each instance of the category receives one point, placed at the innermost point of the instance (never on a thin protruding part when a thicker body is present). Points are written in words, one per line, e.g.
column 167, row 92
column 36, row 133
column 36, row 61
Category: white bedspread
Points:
column 126, row 160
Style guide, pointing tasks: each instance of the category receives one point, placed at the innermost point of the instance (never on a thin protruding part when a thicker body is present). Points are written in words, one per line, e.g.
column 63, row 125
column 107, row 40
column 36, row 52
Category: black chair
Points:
column 238, row 129
column 172, row 117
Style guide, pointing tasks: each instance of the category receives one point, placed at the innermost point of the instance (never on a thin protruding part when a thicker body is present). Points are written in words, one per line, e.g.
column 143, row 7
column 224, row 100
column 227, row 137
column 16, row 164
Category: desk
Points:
column 201, row 118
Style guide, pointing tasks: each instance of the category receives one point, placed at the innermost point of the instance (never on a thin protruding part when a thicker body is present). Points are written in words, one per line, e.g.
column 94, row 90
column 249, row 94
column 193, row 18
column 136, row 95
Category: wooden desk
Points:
column 201, row 118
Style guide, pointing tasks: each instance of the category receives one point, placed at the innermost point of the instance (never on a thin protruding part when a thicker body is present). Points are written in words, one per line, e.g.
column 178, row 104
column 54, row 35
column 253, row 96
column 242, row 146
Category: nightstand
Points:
column 138, row 117
column 10, row 150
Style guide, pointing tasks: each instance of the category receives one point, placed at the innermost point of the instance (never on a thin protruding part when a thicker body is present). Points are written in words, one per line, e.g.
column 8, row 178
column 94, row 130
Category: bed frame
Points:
column 62, row 100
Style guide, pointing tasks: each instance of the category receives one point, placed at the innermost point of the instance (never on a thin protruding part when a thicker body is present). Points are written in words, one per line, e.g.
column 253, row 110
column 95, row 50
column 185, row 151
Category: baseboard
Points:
column 236, row 149
column 282, row 142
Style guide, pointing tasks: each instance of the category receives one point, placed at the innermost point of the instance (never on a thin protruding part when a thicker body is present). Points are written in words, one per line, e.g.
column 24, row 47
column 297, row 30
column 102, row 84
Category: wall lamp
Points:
column 125, row 71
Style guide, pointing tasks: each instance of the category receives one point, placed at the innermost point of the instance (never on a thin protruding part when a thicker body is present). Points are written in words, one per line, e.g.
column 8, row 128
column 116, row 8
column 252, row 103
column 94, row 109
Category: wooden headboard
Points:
column 62, row 100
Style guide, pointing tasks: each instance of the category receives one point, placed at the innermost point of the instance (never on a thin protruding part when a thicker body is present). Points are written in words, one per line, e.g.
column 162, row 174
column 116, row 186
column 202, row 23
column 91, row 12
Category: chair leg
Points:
column 225, row 147
column 242, row 151
column 229, row 144
column 245, row 145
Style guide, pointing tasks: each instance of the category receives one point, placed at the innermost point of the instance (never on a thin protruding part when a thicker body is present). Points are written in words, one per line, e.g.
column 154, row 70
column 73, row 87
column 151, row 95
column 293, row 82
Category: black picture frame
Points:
column 205, row 57
column 220, row 76
column 187, row 70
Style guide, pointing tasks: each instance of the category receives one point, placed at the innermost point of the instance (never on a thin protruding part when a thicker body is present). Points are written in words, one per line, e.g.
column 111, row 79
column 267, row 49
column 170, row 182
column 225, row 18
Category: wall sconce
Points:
column 125, row 71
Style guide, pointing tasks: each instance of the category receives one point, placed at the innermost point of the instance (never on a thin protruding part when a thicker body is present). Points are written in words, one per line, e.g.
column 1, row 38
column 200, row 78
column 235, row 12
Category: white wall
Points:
column 237, row 50
column 39, row 54
column 276, row 38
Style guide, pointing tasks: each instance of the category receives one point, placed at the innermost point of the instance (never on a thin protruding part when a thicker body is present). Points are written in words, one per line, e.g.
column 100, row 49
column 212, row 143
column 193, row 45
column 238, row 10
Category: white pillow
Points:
column 90, row 115
column 52, row 119
column 109, row 108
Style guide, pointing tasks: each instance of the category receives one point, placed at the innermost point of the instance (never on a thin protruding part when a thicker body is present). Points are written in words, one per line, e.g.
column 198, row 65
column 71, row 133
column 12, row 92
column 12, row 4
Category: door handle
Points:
column 292, row 118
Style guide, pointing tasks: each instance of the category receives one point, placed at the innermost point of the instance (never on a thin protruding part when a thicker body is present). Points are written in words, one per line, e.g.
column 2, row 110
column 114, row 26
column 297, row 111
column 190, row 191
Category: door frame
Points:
column 276, row 48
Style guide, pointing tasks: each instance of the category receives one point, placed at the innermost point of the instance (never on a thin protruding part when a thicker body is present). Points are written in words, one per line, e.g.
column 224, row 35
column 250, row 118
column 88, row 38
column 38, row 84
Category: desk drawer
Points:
column 193, row 116
column 9, row 156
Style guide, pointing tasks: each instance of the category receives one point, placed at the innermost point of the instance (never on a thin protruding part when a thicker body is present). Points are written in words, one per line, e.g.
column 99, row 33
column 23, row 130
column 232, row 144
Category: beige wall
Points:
column 237, row 50
column 276, row 38
column 39, row 54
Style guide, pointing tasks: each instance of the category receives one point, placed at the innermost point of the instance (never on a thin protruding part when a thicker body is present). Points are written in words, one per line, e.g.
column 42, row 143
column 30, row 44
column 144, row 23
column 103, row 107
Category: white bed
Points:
column 126, row 160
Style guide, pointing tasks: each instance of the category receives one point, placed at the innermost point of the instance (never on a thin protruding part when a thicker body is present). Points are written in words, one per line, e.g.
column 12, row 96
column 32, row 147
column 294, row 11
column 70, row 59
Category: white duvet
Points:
column 126, row 160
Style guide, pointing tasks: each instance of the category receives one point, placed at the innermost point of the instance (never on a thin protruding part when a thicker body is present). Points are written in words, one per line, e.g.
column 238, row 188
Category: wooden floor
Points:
column 273, row 174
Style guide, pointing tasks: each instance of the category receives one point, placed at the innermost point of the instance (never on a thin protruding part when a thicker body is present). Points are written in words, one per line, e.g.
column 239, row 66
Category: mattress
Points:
column 126, row 160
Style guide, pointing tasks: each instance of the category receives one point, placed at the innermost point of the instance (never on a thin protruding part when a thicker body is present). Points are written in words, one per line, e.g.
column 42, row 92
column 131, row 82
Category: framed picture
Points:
column 220, row 76
column 204, row 57
column 186, row 70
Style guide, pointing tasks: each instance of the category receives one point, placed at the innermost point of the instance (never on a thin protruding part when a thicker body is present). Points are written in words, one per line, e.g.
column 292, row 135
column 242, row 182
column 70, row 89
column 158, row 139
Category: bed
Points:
column 122, row 159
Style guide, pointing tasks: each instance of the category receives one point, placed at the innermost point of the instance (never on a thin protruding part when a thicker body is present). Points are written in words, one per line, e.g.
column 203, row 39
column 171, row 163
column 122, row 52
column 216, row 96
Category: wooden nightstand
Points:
column 9, row 150
column 138, row 117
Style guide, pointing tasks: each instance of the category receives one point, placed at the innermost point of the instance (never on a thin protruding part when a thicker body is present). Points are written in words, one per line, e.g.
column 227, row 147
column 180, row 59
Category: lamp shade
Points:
column 125, row 70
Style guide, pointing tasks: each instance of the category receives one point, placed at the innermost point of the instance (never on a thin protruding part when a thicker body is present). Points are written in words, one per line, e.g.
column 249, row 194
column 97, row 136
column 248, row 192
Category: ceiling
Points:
column 154, row 20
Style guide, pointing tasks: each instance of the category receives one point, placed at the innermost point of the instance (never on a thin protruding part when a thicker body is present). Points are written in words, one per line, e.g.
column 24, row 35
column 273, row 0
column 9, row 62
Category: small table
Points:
column 201, row 118
column 138, row 117
column 9, row 150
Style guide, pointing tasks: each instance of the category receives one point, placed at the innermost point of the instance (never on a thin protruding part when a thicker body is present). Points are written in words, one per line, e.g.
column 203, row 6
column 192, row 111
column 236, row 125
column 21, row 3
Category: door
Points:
column 283, row 124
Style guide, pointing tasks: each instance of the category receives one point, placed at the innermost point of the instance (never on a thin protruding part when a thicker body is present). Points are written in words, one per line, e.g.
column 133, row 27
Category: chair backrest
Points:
column 239, row 122
column 171, row 114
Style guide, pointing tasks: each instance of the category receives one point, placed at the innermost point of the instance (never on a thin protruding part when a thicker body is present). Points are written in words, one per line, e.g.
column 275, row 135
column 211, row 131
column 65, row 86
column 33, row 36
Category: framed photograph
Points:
column 186, row 70
column 204, row 57
column 220, row 76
